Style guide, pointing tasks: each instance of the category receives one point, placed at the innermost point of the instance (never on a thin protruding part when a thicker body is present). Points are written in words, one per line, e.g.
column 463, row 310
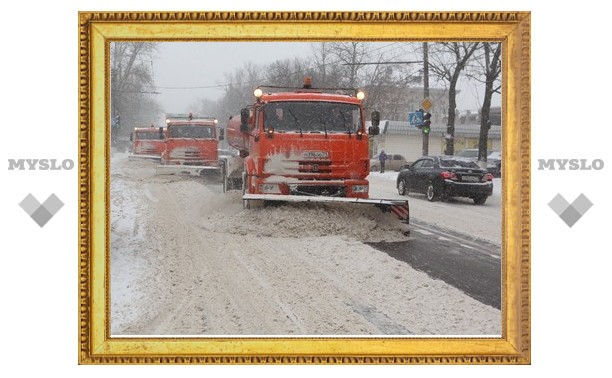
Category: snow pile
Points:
column 298, row 220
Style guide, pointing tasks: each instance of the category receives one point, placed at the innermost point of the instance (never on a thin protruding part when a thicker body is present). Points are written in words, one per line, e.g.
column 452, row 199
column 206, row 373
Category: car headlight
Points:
column 359, row 188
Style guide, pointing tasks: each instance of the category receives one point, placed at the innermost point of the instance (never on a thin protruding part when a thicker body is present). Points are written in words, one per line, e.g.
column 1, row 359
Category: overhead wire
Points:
column 311, row 65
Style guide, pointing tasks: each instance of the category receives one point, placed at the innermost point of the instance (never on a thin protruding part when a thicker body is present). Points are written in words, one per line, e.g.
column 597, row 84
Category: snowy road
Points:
column 186, row 259
column 469, row 264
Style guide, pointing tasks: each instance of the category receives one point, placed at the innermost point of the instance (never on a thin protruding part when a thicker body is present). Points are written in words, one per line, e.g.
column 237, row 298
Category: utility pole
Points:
column 425, row 93
column 426, row 104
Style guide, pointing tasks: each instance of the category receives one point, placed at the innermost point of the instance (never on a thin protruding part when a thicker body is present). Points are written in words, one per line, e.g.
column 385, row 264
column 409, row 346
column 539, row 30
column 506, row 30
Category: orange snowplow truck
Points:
column 191, row 145
column 147, row 143
column 303, row 145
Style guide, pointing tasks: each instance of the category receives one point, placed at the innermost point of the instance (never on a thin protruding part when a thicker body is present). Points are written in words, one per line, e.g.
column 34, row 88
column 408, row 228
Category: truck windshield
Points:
column 191, row 131
column 147, row 135
column 312, row 117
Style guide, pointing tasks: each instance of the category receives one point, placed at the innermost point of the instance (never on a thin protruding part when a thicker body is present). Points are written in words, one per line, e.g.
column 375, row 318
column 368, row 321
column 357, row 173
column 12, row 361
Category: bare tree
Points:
column 389, row 81
column 386, row 89
column 349, row 55
column 321, row 60
column 239, row 90
column 205, row 107
column 446, row 61
column 132, row 86
column 491, row 70
column 359, row 64
column 287, row 73
column 335, row 64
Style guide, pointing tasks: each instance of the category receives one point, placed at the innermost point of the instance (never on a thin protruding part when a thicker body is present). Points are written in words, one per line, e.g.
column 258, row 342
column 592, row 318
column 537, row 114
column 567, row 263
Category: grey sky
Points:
column 205, row 64
column 186, row 72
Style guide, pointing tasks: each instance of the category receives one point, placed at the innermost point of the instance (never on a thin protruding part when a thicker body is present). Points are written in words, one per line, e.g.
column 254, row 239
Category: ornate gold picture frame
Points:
column 98, row 29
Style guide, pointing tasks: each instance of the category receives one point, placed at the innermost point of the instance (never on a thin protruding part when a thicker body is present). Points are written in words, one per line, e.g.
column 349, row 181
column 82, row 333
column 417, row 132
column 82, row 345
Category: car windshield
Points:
column 147, row 135
column 191, row 131
column 315, row 116
column 458, row 163
column 468, row 153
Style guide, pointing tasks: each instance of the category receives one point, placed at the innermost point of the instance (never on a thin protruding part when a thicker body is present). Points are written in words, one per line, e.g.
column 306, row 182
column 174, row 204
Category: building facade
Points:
column 399, row 137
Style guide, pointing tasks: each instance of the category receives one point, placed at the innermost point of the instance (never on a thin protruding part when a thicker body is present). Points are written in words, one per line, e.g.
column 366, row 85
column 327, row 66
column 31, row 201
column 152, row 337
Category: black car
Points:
column 441, row 177
column 494, row 159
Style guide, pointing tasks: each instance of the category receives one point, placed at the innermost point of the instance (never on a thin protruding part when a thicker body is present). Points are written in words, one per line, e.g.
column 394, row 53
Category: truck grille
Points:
column 148, row 151
column 192, row 154
column 315, row 167
column 186, row 154
column 318, row 190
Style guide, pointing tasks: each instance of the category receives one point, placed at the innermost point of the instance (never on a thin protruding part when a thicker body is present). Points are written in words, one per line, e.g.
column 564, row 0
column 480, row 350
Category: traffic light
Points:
column 426, row 122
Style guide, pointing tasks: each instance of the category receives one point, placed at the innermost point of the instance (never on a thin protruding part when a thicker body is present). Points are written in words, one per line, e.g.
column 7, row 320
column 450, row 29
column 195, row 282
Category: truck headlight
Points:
column 269, row 189
column 359, row 188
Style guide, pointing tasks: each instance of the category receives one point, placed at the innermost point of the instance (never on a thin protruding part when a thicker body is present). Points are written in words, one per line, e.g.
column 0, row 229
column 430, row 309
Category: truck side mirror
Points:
column 131, row 137
column 245, row 116
column 221, row 134
column 161, row 133
column 374, row 129
column 375, row 118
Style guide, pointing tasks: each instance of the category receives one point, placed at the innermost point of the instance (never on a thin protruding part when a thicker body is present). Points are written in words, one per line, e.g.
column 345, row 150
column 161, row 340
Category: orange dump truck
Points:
column 147, row 143
column 191, row 144
column 303, row 145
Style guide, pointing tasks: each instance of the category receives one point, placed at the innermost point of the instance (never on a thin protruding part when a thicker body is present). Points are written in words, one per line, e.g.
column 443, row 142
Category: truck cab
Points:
column 147, row 142
column 303, row 143
column 190, row 140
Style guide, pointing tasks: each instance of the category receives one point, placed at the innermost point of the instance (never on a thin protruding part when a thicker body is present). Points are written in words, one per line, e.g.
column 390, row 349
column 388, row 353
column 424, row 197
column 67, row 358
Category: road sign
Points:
column 426, row 104
column 415, row 118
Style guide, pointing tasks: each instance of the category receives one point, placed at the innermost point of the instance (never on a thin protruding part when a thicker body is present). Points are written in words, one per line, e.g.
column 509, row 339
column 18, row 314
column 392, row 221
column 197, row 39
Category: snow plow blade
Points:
column 186, row 170
column 399, row 208
column 144, row 157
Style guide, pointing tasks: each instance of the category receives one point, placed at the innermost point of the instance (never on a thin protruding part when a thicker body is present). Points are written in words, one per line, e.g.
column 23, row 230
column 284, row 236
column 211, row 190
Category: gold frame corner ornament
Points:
column 98, row 29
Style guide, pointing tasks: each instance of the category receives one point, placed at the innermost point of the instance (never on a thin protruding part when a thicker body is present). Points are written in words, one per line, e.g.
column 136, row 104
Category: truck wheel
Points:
column 254, row 204
column 245, row 203
column 225, row 179
column 230, row 183
column 249, row 204
column 222, row 171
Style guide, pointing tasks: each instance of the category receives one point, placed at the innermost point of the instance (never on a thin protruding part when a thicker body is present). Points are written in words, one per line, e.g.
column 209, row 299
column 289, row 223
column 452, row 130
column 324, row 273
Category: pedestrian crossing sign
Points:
column 415, row 118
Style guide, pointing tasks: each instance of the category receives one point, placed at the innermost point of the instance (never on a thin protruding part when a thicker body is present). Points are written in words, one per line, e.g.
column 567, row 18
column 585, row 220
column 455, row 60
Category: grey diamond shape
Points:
column 582, row 204
column 570, row 213
column 41, row 216
column 29, row 204
column 53, row 204
column 558, row 204
column 41, row 213
column 570, row 216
